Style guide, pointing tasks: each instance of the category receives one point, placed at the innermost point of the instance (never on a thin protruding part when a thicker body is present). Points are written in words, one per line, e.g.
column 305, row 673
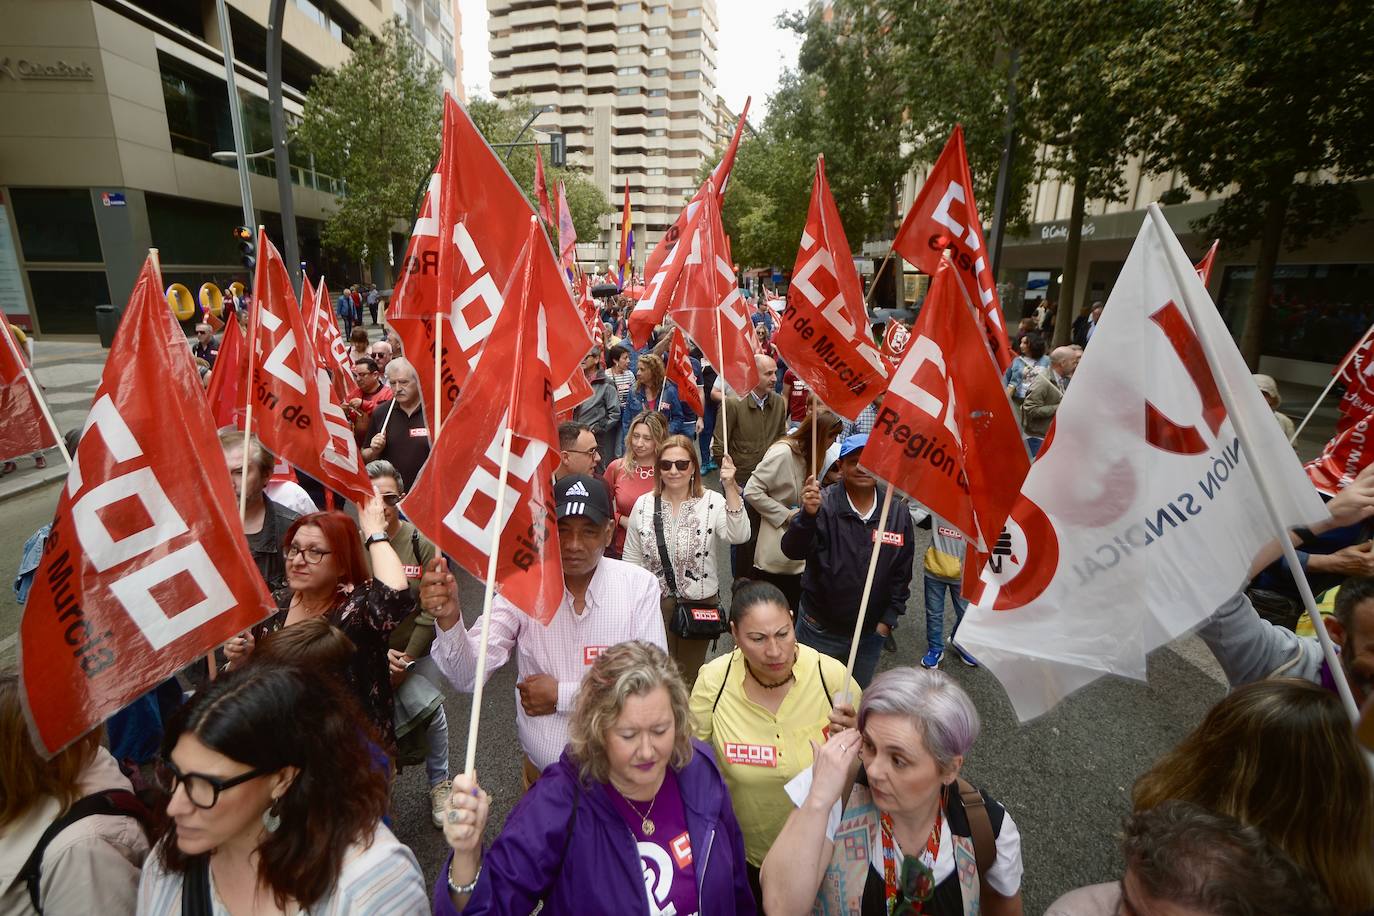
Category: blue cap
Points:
column 853, row 444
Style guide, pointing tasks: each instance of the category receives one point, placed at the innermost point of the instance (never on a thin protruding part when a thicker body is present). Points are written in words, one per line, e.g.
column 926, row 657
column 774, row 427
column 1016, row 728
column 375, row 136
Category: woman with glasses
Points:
column 682, row 520
column 275, row 805
column 632, row 475
column 929, row 842
column 326, row 576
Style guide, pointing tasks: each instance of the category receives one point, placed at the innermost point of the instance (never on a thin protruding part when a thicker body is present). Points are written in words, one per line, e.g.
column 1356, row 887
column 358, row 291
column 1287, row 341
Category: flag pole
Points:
column 815, row 459
column 254, row 313
column 1194, row 309
column 1331, row 384
column 438, row 368
column 876, row 274
column 868, row 589
column 720, row 371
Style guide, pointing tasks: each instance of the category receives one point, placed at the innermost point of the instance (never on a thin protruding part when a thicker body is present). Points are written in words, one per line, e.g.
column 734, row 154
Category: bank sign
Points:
column 20, row 68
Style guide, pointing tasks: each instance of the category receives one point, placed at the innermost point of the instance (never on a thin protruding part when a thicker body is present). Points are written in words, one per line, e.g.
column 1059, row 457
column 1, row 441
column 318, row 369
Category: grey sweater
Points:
column 1250, row 648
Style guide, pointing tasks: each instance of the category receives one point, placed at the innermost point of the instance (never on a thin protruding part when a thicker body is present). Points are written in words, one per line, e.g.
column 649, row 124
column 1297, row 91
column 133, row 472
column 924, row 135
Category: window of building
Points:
column 658, row 8
column 691, row 74
column 657, row 92
column 1311, row 327
column 656, row 172
column 657, row 112
column 691, row 33
column 659, row 71
column 657, row 132
column 65, row 300
column 56, row 224
column 627, row 90
column 628, row 29
column 627, row 71
column 191, row 232
column 658, row 52
column 659, row 30
column 629, row 7
column 694, row 12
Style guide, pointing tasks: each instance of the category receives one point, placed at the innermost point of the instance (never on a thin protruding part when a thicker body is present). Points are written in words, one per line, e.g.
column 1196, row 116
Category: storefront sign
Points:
column 20, row 68
column 1056, row 233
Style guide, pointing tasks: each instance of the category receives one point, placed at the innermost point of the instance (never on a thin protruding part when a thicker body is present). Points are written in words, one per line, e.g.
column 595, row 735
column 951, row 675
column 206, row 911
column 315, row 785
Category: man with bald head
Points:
column 757, row 420
column 1045, row 393
column 400, row 435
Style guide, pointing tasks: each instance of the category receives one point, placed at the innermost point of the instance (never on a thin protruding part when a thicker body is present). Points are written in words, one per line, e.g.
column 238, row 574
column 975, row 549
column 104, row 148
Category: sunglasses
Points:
column 681, row 464
column 391, row 499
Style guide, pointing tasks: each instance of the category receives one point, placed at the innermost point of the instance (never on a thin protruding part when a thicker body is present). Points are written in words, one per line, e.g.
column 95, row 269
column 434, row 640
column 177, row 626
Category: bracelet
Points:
column 463, row 890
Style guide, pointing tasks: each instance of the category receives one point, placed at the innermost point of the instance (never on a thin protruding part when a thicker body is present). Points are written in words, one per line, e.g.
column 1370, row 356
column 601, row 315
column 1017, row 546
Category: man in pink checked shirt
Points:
column 605, row 602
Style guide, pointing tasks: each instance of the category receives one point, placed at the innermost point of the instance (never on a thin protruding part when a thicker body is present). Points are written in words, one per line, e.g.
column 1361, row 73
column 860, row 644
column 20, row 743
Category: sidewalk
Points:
column 68, row 373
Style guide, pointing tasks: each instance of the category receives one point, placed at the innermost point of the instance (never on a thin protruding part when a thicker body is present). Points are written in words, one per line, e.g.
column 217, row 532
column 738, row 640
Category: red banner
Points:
column 147, row 566
column 823, row 334
column 945, row 216
column 226, row 394
column 23, row 429
column 541, row 187
column 1345, row 455
column 296, row 412
column 1204, row 267
column 331, row 352
column 679, row 372
column 946, row 433
column 454, row 501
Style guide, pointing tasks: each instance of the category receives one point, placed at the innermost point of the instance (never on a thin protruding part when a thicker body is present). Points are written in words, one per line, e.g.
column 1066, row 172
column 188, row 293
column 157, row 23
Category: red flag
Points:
column 453, row 502
column 296, row 412
column 945, row 215
column 823, row 334
column 147, row 566
column 679, row 372
column 713, row 313
column 1204, row 267
column 226, row 394
column 1345, row 455
column 945, row 433
column 895, row 341
column 570, row 396
column 541, row 188
column 660, row 271
column 1358, row 378
column 567, row 234
column 475, row 207
column 23, row 428
column 327, row 343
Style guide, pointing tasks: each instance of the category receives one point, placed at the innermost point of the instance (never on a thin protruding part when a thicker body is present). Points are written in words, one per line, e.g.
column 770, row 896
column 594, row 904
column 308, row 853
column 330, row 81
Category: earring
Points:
column 271, row 820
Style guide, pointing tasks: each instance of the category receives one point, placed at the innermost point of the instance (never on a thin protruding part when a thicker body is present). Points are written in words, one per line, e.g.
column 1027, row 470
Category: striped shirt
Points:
column 622, row 604
column 382, row 880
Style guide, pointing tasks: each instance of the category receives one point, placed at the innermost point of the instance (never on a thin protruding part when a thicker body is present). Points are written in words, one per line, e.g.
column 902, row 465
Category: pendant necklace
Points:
column 646, row 825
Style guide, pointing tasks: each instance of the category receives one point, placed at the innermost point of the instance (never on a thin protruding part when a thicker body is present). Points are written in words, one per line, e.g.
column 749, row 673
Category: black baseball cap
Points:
column 584, row 495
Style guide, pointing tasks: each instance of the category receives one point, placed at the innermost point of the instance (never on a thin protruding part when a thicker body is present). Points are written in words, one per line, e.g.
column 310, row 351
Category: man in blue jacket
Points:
column 834, row 533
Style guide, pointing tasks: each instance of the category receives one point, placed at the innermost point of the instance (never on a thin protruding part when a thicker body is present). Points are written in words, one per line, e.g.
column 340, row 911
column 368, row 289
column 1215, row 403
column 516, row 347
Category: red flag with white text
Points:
column 296, row 412
column 328, row 344
column 896, row 338
column 454, row 501
column 945, row 215
column 1344, row 456
column 945, row 433
column 147, row 566
column 678, row 370
column 23, row 429
column 823, row 332
column 713, row 312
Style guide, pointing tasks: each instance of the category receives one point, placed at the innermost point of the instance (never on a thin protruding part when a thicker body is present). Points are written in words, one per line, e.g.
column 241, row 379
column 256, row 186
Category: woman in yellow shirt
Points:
column 762, row 707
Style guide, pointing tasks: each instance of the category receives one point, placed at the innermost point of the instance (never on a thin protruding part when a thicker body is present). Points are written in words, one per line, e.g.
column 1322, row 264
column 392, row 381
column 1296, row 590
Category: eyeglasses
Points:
column 681, row 464
column 201, row 790
column 583, row 451
column 311, row 555
column 391, row 499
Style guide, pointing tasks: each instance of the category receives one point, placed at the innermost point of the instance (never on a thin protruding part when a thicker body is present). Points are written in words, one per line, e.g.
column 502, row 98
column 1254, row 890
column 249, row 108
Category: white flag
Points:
column 1142, row 513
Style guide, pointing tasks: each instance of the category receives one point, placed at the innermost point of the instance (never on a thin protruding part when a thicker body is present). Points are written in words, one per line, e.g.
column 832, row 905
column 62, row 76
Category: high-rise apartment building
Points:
column 632, row 86
column 115, row 137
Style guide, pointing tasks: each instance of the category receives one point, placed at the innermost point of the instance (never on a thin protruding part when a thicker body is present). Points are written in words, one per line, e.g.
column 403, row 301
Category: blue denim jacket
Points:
column 28, row 563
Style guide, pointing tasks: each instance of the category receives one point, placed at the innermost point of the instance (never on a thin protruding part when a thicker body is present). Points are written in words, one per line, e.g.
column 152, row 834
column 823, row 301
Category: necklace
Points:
column 646, row 825
column 791, row 676
column 918, row 873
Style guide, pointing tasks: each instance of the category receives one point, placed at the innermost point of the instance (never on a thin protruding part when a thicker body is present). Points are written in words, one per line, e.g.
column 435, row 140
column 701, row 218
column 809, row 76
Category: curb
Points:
column 30, row 482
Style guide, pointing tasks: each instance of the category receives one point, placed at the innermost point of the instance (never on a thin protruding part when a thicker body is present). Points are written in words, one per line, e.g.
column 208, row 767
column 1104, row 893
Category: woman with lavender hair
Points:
column 934, row 844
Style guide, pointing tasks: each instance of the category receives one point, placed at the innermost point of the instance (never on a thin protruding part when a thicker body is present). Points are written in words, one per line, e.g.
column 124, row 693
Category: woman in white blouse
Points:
column 694, row 518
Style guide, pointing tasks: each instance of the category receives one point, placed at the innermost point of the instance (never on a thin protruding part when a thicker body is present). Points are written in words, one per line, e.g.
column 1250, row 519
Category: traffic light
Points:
column 558, row 150
column 247, row 252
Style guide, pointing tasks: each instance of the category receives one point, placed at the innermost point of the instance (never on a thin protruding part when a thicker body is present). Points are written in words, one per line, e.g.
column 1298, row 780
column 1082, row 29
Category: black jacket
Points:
column 836, row 545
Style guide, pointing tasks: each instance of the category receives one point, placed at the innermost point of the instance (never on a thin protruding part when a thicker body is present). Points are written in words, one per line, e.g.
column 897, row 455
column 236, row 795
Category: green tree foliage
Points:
column 499, row 122
column 375, row 123
column 1269, row 100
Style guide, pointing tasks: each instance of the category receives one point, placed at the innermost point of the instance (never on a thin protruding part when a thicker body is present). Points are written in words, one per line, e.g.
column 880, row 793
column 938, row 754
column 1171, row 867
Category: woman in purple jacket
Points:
column 634, row 818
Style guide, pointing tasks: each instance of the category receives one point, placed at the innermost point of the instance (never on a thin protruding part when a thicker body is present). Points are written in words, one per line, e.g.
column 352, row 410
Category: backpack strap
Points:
column 113, row 802
column 663, row 547
column 195, row 888
column 980, row 828
column 824, row 686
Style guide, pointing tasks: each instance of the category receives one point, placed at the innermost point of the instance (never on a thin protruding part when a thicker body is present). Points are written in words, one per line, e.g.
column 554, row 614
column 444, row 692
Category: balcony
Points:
column 432, row 9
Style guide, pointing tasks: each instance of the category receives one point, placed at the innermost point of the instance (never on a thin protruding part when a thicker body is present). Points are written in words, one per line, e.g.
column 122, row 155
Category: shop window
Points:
column 56, row 224
column 191, row 232
column 1316, row 311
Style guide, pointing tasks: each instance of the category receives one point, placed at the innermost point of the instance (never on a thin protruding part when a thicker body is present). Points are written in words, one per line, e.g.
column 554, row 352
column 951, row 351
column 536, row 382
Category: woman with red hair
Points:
column 326, row 576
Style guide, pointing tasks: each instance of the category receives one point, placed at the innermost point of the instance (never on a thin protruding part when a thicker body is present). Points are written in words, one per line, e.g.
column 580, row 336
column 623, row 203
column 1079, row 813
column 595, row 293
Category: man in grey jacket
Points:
column 1250, row 648
column 601, row 412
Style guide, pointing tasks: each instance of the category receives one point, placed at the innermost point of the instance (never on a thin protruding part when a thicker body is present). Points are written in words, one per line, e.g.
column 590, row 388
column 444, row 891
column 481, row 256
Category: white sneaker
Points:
column 438, row 802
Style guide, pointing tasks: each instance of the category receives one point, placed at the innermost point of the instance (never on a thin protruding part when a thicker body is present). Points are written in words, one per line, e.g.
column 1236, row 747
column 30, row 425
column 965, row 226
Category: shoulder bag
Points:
column 687, row 619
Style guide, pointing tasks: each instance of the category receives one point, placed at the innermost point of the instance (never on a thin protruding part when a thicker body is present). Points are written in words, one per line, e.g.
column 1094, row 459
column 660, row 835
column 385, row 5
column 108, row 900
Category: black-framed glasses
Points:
column 201, row 790
column 681, row 464
column 391, row 499
column 311, row 555
column 583, row 451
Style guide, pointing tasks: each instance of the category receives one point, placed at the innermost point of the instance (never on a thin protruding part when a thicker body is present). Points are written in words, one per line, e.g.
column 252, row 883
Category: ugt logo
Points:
column 1162, row 432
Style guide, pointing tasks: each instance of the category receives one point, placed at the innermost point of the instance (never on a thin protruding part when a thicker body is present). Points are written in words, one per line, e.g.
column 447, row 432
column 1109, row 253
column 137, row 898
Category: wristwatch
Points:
column 375, row 538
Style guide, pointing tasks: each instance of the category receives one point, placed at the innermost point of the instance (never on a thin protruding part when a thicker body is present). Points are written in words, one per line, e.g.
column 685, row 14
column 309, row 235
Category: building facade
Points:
column 631, row 85
column 115, row 137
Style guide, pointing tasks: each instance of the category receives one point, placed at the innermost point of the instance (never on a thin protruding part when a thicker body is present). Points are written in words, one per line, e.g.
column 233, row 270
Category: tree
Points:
column 375, row 123
column 1270, row 100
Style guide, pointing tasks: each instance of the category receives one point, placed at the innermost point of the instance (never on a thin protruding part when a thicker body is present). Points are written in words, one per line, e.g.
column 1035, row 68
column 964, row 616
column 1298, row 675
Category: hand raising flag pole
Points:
column 878, row 541
column 1190, row 284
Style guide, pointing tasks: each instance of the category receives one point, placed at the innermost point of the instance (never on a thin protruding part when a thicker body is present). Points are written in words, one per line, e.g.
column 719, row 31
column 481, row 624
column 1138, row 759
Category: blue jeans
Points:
column 837, row 647
column 935, row 611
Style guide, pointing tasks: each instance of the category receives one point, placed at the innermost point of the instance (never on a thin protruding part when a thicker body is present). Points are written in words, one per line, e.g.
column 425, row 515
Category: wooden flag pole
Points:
column 724, row 401
column 47, row 416
column 868, row 589
column 1195, row 311
column 438, row 368
column 815, row 459
column 1331, row 384
column 391, row 407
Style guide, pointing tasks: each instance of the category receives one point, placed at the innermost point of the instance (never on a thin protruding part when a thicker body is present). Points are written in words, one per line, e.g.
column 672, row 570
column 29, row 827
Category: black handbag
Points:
column 690, row 619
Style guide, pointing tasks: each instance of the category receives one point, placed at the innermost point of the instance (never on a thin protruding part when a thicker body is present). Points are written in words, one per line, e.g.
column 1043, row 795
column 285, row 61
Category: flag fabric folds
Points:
column 678, row 370
column 1344, row 456
column 541, row 188
column 567, row 234
column 226, row 393
column 1142, row 512
column 23, row 428
column 945, row 215
column 1204, row 267
column 823, row 332
column 147, row 566
column 626, row 261
column 454, row 501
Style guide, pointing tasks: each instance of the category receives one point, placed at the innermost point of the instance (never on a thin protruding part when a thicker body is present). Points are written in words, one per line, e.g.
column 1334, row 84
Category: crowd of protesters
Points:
column 771, row 777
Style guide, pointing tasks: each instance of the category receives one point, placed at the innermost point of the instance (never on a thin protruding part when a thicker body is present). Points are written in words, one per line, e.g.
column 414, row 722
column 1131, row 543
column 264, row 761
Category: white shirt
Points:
column 290, row 495
column 689, row 535
column 622, row 604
